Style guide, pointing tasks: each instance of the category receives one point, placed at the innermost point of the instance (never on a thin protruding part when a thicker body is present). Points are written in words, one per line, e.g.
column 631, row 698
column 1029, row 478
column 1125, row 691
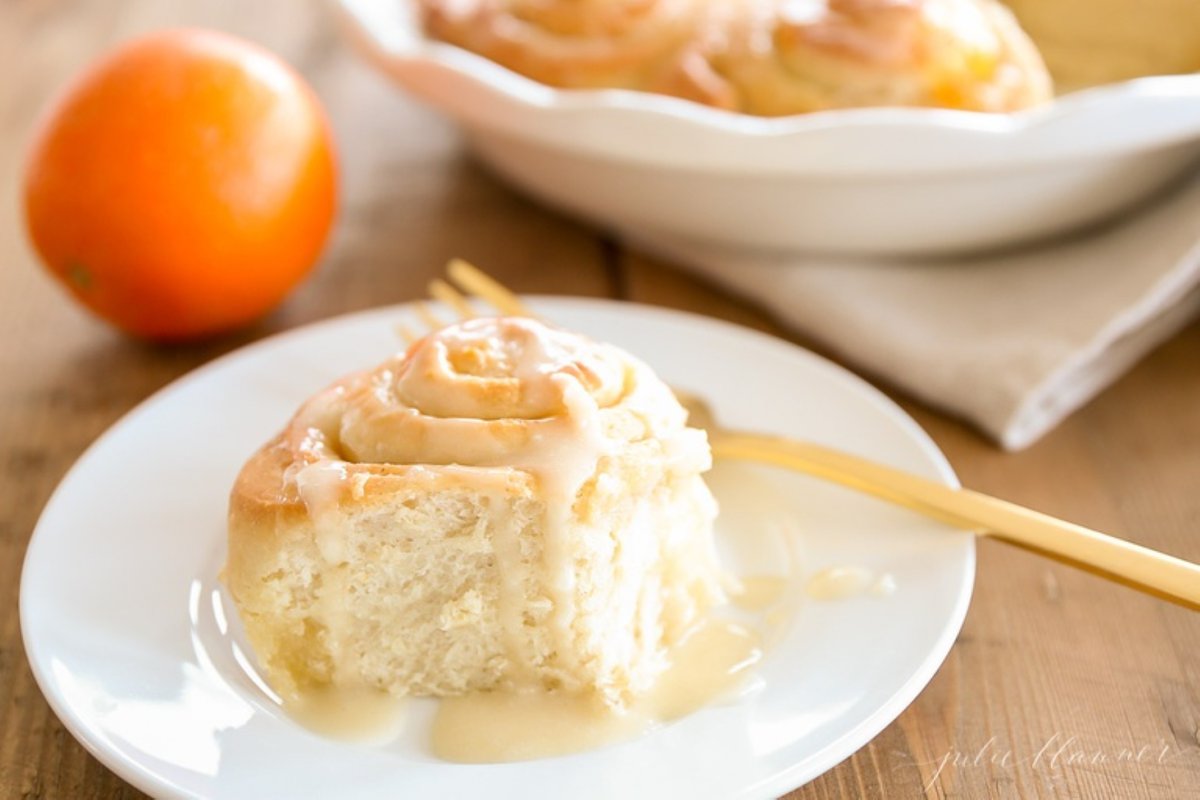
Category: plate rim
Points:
column 152, row 782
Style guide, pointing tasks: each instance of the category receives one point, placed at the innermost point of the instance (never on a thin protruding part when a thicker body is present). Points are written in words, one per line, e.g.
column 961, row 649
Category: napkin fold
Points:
column 1013, row 342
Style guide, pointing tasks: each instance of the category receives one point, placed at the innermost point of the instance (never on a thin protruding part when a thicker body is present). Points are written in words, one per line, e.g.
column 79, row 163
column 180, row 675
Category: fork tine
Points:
column 431, row 320
column 452, row 297
column 406, row 333
column 475, row 281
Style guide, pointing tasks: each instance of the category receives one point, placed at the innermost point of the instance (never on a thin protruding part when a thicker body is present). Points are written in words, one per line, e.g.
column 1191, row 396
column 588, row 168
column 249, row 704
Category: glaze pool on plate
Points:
column 716, row 662
column 120, row 560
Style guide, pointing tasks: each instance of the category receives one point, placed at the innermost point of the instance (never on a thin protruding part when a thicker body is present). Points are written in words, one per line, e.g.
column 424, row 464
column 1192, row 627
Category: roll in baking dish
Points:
column 761, row 57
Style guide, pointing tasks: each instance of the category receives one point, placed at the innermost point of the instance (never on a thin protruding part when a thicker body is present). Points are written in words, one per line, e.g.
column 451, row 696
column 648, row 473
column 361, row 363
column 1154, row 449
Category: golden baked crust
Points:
column 761, row 57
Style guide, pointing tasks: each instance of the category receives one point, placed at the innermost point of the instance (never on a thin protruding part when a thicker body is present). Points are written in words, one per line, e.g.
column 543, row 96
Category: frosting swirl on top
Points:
column 510, row 367
column 493, row 392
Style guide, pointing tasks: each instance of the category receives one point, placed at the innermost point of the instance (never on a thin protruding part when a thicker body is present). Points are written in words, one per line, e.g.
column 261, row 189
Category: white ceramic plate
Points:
column 130, row 637
column 893, row 181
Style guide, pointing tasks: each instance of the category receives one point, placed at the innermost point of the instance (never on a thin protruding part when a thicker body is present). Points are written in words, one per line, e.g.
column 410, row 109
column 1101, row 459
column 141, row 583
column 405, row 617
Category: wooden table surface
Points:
column 1060, row 684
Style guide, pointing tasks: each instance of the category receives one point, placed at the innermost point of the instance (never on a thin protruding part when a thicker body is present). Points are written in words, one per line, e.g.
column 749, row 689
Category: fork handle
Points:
column 1116, row 558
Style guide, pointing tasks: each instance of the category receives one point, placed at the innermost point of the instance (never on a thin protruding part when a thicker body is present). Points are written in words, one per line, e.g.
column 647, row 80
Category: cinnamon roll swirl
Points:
column 797, row 56
column 505, row 505
column 577, row 44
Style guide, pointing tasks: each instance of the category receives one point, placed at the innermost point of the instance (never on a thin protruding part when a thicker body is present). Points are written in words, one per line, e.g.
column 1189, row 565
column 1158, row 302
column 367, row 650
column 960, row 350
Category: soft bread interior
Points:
column 401, row 583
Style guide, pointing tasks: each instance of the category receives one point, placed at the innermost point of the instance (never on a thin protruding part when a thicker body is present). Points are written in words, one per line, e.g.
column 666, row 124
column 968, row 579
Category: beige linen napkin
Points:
column 1013, row 342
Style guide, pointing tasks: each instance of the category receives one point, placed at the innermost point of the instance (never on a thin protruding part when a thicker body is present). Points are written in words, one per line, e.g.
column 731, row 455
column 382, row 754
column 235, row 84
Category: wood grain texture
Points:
column 1059, row 682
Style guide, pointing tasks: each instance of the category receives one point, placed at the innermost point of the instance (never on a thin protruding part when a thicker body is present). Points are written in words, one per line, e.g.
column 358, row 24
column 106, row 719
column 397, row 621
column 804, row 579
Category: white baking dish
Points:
column 889, row 180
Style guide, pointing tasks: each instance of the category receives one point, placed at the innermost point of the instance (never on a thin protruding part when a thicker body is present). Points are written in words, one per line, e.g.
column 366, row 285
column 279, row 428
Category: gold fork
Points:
column 1145, row 569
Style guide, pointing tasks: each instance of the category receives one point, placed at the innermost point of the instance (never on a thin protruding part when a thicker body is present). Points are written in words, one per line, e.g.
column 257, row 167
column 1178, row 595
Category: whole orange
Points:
column 182, row 185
